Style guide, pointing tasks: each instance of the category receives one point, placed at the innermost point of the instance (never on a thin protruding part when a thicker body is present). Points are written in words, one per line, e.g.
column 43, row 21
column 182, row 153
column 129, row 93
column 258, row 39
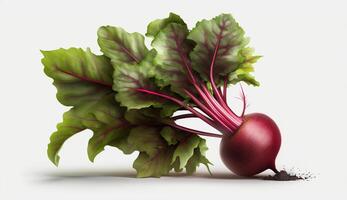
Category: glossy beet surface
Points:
column 254, row 146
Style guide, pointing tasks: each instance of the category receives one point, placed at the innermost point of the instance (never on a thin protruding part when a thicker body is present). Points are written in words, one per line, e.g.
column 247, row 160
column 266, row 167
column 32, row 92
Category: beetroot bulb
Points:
column 253, row 147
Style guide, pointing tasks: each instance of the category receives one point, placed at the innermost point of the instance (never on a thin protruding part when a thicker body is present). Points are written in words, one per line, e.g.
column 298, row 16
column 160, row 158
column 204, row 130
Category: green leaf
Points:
column 128, row 78
column 163, row 149
column 172, row 58
column 176, row 165
column 197, row 158
column 104, row 118
column 122, row 144
column 70, row 126
column 246, row 67
column 168, row 109
column 223, row 37
column 139, row 117
column 189, row 150
column 109, row 126
column 151, row 115
column 83, row 80
column 147, row 139
column 185, row 149
column 156, row 26
column 155, row 155
column 169, row 135
column 121, row 46
column 79, row 76
column 242, row 75
column 155, row 166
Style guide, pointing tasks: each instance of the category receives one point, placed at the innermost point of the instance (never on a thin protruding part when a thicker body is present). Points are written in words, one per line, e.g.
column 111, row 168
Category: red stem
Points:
column 211, row 112
column 233, row 119
column 181, row 103
column 215, row 112
column 220, row 92
column 193, row 131
column 226, row 107
column 204, row 96
column 183, row 116
column 243, row 101
column 214, row 87
column 213, row 84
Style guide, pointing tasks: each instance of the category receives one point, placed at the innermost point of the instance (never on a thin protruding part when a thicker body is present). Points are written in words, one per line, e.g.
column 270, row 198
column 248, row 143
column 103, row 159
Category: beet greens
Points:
column 128, row 96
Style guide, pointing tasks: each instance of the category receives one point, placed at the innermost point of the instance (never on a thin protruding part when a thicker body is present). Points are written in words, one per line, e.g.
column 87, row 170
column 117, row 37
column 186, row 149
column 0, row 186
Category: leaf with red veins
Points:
column 219, row 42
column 103, row 117
column 173, row 68
column 121, row 46
column 79, row 76
column 128, row 78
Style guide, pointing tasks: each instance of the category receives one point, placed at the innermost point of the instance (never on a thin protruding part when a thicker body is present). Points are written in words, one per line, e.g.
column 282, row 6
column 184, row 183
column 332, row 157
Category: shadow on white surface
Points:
column 95, row 175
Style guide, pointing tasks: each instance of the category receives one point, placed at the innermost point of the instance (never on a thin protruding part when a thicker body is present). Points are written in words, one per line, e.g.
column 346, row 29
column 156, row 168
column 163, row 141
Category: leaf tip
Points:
column 92, row 160
column 42, row 51
column 54, row 159
column 53, row 155
column 44, row 54
column 256, row 83
column 92, row 151
column 101, row 28
column 91, row 156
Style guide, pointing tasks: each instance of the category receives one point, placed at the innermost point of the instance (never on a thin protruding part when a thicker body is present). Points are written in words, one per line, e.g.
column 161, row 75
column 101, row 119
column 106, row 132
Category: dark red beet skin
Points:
column 254, row 146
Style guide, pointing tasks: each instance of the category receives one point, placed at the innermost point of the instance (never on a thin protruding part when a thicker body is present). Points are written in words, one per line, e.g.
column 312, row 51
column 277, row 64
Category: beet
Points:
column 138, row 88
column 253, row 147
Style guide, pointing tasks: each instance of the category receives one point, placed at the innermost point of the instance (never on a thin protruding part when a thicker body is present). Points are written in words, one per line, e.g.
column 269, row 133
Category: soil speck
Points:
column 285, row 176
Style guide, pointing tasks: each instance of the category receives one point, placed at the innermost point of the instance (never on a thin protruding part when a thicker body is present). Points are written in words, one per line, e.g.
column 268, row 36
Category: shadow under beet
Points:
column 79, row 175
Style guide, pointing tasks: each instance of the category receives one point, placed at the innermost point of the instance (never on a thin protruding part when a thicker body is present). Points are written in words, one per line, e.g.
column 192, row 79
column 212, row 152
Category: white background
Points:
column 303, row 87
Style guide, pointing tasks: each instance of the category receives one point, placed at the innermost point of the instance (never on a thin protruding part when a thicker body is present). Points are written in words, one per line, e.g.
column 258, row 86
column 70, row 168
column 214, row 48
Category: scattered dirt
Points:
column 285, row 176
